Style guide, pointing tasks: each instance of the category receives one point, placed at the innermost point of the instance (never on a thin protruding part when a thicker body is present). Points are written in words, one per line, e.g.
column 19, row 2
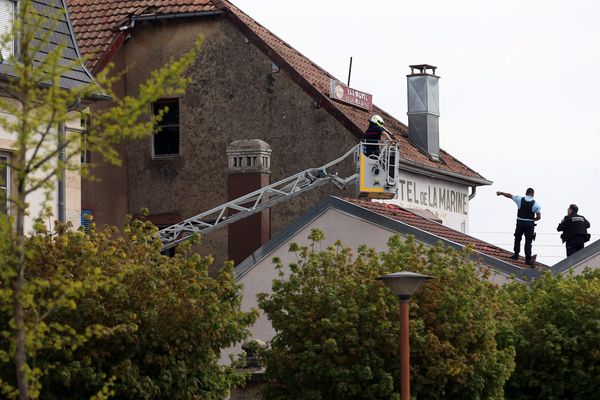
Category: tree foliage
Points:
column 456, row 319
column 35, row 109
column 337, row 326
column 105, row 308
column 556, row 335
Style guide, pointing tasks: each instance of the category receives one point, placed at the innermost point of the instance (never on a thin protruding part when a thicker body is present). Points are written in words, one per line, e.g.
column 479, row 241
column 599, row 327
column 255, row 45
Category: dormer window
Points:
column 7, row 17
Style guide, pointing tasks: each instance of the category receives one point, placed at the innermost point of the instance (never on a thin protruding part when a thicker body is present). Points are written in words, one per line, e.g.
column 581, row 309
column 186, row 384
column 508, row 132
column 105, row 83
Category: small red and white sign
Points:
column 339, row 91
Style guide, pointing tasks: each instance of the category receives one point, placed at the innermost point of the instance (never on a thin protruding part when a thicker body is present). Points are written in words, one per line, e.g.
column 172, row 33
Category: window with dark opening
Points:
column 166, row 131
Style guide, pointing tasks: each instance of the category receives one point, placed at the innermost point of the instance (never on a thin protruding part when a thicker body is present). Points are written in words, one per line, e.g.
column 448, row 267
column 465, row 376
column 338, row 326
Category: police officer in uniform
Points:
column 574, row 230
column 528, row 212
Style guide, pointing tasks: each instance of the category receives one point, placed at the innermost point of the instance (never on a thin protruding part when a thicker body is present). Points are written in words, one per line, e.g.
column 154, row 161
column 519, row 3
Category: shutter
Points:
column 7, row 15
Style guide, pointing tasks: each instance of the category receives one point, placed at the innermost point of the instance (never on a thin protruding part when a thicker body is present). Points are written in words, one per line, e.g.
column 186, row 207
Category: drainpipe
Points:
column 473, row 192
column 62, row 128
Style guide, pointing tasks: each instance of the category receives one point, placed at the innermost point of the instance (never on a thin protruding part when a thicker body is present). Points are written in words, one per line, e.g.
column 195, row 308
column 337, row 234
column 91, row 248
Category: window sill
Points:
column 166, row 157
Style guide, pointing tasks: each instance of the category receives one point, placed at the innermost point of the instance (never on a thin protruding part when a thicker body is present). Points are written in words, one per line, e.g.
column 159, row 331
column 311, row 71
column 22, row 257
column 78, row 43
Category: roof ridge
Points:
column 323, row 70
column 230, row 4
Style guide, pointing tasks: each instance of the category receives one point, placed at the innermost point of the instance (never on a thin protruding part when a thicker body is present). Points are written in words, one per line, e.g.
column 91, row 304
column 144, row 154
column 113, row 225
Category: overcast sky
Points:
column 519, row 93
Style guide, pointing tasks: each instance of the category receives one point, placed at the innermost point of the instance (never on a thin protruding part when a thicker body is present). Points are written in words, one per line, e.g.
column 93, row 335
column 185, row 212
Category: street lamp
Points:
column 404, row 284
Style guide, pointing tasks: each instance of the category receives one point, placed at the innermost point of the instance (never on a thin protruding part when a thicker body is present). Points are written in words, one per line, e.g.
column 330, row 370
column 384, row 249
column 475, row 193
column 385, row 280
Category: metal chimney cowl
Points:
column 424, row 109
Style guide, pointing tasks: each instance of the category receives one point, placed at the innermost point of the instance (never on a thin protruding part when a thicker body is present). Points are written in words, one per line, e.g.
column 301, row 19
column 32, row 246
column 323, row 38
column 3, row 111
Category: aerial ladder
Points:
column 375, row 172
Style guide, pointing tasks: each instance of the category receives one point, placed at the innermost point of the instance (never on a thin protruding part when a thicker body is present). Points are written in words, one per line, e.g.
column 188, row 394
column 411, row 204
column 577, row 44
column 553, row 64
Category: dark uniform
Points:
column 574, row 232
column 525, row 226
column 372, row 137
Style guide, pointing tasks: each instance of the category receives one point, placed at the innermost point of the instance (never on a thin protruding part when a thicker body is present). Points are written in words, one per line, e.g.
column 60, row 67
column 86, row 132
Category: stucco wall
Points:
column 233, row 95
column 591, row 262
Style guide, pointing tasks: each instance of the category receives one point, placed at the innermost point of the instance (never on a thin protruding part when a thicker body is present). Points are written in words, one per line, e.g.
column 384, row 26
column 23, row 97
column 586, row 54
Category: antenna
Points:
column 350, row 71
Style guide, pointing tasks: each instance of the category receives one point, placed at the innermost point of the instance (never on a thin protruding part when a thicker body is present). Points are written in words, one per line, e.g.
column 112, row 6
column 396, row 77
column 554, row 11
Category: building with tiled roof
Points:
column 103, row 26
column 246, row 83
column 54, row 31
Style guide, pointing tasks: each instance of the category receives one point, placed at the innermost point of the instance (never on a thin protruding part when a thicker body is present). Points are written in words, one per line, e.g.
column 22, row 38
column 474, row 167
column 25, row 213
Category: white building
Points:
column 65, row 201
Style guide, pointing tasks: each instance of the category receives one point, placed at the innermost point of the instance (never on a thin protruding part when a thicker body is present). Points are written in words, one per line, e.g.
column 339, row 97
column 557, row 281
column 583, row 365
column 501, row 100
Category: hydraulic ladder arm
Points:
column 372, row 171
column 257, row 201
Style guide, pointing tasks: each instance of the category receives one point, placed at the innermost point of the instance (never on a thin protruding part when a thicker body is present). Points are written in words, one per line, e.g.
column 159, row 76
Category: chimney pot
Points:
column 249, row 170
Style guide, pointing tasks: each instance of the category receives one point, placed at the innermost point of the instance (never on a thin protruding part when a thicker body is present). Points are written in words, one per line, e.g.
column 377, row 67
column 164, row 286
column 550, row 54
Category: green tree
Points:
column 34, row 108
column 337, row 326
column 456, row 321
column 113, row 309
column 556, row 335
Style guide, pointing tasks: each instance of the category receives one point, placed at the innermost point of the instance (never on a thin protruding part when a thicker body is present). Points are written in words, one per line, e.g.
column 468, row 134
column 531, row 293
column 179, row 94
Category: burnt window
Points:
column 166, row 132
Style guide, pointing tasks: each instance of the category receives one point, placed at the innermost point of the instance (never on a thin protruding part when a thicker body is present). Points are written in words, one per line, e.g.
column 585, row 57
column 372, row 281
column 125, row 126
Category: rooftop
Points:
column 62, row 34
column 402, row 221
column 429, row 225
column 103, row 25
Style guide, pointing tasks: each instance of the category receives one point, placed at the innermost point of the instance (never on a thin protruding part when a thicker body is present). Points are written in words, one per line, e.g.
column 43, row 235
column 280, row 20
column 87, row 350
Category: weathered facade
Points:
column 245, row 84
column 233, row 96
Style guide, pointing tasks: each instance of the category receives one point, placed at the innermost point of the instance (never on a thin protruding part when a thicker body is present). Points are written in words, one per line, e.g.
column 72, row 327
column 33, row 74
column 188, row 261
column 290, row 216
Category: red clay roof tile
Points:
column 96, row 22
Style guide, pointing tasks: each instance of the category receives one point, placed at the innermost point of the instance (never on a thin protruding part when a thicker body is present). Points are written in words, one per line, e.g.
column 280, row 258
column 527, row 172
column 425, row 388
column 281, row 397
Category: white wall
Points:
column 449, row 201
column 39, row 199
column 592, row 262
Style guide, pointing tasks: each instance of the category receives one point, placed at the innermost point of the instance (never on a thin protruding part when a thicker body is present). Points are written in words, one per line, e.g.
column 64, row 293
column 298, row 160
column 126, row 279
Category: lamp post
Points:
column 404, row 284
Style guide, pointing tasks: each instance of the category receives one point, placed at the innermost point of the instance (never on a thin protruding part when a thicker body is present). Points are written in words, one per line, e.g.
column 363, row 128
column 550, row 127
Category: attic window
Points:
column 165, row 143
column 7, row 17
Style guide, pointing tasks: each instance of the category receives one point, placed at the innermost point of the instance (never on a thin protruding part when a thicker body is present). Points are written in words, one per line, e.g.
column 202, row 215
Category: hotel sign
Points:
column 339, row 91
column 433, row 196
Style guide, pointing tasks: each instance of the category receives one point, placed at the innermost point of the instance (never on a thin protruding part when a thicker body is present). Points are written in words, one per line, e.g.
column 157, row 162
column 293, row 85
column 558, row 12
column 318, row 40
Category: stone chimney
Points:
column 424, row 109
column 249, row 170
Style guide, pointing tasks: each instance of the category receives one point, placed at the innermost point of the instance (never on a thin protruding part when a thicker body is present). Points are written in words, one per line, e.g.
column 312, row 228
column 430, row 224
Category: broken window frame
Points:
column 165, row 123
